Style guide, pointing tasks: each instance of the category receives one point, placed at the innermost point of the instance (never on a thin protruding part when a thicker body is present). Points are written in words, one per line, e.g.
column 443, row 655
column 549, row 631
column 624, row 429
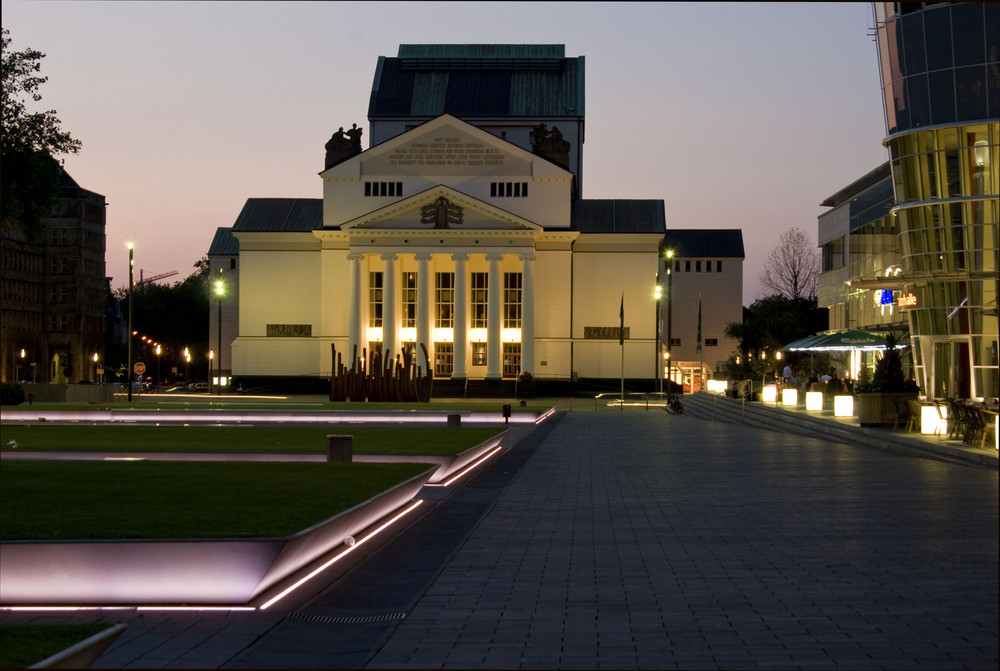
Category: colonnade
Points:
column 391, row 308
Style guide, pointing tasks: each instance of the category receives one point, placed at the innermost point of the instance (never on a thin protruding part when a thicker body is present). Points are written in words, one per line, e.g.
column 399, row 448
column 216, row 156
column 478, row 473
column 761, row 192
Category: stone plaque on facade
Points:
column 289, row 330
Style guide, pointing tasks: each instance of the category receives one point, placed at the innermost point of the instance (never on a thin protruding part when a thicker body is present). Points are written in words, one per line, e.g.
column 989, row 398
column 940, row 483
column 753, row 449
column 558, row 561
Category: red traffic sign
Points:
column 139, row 368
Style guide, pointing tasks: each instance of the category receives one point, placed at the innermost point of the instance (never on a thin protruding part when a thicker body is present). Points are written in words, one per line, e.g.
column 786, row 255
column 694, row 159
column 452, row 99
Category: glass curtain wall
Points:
column 941, row 85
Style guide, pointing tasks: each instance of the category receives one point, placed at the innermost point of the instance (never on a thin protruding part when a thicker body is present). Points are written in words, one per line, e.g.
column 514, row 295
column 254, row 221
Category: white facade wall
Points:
column 721, row 303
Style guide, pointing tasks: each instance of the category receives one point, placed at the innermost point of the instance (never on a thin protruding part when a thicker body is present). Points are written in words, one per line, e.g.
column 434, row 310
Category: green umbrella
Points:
column 837, row 341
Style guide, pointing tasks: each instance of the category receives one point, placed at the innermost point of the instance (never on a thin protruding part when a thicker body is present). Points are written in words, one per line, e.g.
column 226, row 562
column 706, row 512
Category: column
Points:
column 358, row 294
column 461, row 333
column 528, row 314
column 424, row 302
column 494, row 312
column 390, row 282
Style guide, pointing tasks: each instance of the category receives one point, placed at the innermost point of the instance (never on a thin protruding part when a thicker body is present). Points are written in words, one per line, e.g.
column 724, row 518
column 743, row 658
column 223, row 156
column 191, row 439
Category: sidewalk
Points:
column 637, row 539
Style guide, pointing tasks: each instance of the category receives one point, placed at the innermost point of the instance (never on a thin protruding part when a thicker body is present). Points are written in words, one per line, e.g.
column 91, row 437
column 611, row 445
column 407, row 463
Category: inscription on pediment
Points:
column 446, row 151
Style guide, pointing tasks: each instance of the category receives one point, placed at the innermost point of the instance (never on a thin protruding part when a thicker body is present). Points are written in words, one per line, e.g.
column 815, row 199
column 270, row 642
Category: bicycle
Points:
column 673, row 405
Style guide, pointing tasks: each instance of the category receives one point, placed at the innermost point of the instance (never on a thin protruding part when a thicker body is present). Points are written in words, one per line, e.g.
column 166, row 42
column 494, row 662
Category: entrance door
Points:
column 951, row 369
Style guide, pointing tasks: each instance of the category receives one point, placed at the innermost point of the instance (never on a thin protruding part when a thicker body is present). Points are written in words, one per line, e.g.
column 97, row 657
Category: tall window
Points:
column 512, row 300
column 444, row 287
column 374, row 300
column 409, row 297
column 511, row 359
column 444, row 359
column 479, row 299
column 478, row 354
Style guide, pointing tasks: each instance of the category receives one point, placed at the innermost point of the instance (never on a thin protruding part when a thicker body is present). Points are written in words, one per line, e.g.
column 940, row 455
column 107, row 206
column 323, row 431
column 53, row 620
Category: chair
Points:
column 902, row 414
column 977, row 426
column 913, row 423
column 958, row 415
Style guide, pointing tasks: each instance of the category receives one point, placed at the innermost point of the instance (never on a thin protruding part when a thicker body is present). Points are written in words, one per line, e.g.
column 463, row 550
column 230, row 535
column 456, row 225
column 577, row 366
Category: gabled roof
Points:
column 478, row 80
column 224, row 243
column 279, row 215
column 618, row 216
column 711, row 243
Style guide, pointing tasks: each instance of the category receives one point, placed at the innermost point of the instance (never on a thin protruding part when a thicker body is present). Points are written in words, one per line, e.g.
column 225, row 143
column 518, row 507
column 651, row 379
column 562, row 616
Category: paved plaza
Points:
column 637, row 539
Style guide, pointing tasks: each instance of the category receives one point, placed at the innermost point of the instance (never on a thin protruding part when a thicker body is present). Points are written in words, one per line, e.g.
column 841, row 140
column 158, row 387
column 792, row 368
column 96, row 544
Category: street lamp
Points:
column 219, row 290
column 658, row 295
column 158, row 366
column 187, row 364
column 128, row 365
column 670, row 306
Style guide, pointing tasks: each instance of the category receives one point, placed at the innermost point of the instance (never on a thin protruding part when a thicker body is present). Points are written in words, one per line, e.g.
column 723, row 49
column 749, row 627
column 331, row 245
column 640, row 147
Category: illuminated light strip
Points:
column 548, row 413
column 193, row 608
column 338, row 557
column 468, row 469
column 61, row 609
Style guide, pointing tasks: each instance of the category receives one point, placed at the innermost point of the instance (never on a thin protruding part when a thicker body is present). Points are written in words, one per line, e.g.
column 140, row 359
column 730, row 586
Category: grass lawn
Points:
column 56, row 500
column 240, row 438
column 22, row 645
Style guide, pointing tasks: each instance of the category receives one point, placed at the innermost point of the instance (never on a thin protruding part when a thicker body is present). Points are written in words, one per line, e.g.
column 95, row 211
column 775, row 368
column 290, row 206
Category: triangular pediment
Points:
column 448, row 146
column 440, row 207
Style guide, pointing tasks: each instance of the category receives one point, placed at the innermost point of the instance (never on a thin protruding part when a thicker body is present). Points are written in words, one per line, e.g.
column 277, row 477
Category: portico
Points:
column 465, row 335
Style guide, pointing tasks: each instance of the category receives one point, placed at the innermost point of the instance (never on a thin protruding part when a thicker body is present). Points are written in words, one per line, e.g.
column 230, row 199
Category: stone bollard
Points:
column 339, row 448
column 454, row 421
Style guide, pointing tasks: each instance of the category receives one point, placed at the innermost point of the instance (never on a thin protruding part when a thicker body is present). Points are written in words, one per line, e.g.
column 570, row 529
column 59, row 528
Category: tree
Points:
column 792, row 268
column 30, row 175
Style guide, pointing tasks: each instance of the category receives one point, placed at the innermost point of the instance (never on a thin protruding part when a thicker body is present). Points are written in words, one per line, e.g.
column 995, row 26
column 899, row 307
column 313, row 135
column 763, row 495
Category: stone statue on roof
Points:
column 550, row 144
column 343, row 145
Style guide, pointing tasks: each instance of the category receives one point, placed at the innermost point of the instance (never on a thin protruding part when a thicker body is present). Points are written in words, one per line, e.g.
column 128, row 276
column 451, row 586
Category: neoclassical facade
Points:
column 462, row 236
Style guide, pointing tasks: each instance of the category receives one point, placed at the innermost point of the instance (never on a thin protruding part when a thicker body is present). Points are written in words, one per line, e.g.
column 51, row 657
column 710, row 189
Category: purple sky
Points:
column 741, row 115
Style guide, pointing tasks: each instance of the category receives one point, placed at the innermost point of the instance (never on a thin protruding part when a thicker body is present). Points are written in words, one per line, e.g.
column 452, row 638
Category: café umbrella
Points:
column 837, row 341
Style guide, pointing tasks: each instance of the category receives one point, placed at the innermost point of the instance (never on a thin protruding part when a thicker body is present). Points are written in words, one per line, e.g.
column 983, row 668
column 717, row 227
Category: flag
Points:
column 621, row 318
column 699, row 322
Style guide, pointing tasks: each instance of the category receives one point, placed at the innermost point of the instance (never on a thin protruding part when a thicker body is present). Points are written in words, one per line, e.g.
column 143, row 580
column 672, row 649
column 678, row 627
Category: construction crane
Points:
column 143, row 280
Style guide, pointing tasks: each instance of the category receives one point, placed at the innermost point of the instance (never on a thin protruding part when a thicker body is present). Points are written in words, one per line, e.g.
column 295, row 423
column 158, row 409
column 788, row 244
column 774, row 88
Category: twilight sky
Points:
column 742, row 115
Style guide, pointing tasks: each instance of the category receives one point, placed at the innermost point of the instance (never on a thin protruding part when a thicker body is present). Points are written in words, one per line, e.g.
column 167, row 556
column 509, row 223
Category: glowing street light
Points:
column 670, row 306
column 219, row 291
column 128, row 371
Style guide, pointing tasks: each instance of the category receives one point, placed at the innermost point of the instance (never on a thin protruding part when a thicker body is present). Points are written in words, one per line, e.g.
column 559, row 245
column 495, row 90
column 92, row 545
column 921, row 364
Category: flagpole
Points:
column 701, row 354
column 621, row 343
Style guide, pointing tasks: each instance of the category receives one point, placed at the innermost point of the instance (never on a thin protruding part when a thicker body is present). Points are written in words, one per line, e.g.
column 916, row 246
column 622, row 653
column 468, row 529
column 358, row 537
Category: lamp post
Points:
column 658, row 295
column 158, row 366
column 20, row 366
column 670, row 307
column 219, row 289
column 187, row 363
column 128, row 365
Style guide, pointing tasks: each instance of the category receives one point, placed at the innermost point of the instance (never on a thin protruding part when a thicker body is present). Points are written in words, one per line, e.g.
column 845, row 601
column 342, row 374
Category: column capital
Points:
column 528, row 256
column 389, row 257
column 422, row 256
column 460, row 256
column 355, row 256
column 494, row 256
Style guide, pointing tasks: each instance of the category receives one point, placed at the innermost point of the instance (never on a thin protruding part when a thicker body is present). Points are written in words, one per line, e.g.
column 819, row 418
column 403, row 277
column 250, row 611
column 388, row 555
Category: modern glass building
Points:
column 940, row 73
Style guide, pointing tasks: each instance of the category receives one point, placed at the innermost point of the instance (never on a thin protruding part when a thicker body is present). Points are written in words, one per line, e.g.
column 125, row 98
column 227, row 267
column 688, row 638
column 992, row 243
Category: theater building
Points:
column 461, row 230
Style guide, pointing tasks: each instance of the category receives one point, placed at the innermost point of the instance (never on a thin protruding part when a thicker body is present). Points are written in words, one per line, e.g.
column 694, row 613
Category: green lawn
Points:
column 53, row 500
column 22, row 645
column 240, row 438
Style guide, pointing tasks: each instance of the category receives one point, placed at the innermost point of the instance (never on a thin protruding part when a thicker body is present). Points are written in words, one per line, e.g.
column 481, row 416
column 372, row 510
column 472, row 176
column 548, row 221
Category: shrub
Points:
column 11, row 393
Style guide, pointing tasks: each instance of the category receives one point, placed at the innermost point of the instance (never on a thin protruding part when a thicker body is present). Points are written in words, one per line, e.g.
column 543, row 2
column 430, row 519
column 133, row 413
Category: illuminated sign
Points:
column 883, row 297
column 907, row 301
